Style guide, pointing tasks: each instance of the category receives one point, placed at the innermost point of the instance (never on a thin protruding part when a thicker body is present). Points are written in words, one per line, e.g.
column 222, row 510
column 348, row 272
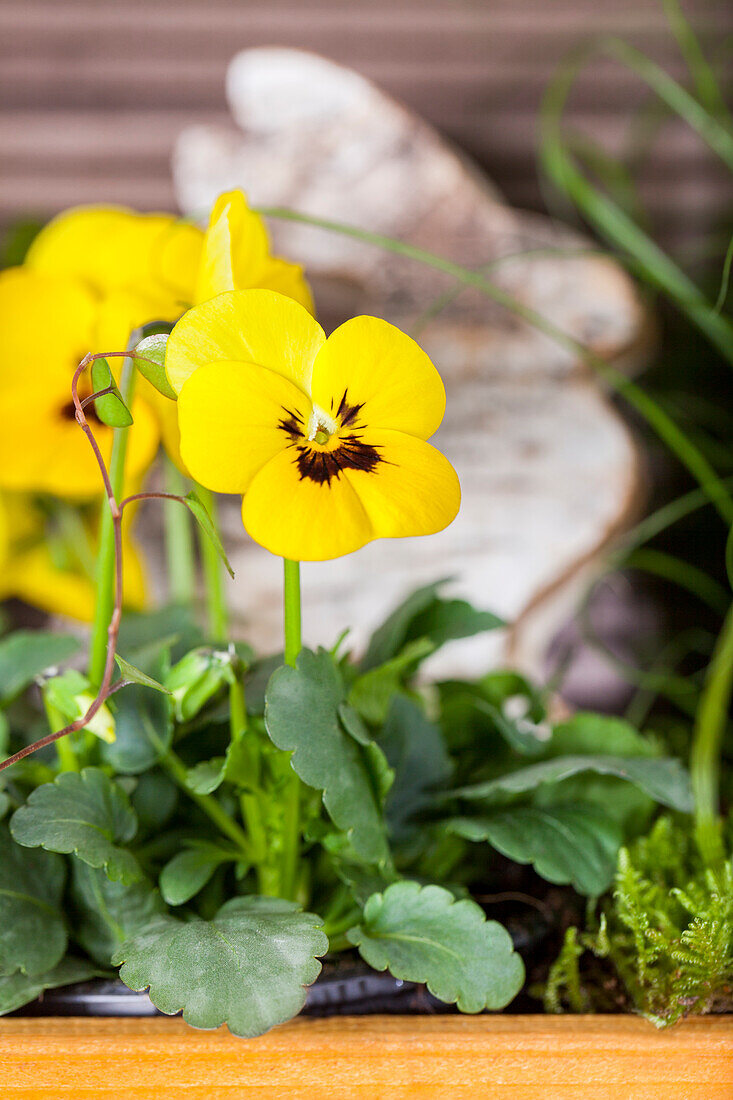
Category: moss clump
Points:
column 662, row 943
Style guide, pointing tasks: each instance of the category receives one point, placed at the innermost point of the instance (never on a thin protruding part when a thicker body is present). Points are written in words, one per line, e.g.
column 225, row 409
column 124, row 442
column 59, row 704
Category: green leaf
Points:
column 247, row 968
column 70, row 696
column 19, row 989
column 152, row 366
column 599, row 733
column 143, row 726
column 25, row 654
column 33, row 937
column 372, row 692
column 208, row 775
column 302, row 717
column 422, row 934
column 106, row 913
column 576, row 843
column 447, row 620
column 111, row 409
column 664, row 780
column 363, row 880
column 425, row 615
column 87, row 814
column 190, row 870
column 415, row 749
column 129, row 672
column 143, row 630
column 207, row 525
column 154, row 799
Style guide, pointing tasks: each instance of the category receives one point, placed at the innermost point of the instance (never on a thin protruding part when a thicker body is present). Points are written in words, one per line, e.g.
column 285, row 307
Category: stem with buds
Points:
column 106, row 687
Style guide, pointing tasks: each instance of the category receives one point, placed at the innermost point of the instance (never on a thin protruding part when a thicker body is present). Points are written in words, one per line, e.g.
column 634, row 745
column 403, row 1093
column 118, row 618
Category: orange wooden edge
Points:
column 547, row 1057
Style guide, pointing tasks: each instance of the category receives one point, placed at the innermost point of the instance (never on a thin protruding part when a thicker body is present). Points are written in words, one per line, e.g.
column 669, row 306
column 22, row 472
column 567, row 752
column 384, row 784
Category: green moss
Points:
column 666, row 934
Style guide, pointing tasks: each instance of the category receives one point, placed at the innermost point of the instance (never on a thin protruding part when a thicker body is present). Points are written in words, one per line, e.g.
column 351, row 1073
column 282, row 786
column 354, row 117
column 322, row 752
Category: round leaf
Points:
column 247, row 968
column 87, row 814
column 422, row 934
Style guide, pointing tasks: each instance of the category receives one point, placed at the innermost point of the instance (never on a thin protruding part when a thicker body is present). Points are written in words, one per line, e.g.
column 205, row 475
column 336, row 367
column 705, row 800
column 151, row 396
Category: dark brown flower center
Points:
column 317, row 458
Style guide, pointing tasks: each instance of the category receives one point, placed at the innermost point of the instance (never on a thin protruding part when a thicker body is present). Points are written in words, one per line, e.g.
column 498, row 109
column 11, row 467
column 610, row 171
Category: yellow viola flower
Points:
column 56, row 583
column 47, row 325
column 325, row 438
column 152, row 267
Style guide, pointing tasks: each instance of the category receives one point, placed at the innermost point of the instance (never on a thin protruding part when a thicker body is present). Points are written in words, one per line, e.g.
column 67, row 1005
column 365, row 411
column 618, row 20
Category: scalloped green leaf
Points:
column 665, row 779
column 422, row 934
column 248, row 967
column 33, row 938
column 302, row 716
column 20, row 989
column 106, row 913
column 415, row 749
column 86, row 814
column 575, row 843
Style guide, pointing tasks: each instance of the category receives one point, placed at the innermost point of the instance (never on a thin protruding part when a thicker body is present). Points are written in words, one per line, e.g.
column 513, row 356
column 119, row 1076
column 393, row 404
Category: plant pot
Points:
column 352, row 989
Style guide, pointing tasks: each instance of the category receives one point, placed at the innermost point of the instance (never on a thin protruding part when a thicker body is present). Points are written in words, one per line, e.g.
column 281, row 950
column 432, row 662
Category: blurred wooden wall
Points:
column 93, row 92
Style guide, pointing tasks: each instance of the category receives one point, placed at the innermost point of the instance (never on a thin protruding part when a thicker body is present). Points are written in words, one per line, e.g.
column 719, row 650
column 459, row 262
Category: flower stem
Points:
column 105, row 582
column 216, row 606
column 178, row 539
column 293, row 643
column 710, row 724
column 291, row 796
column 64, row 748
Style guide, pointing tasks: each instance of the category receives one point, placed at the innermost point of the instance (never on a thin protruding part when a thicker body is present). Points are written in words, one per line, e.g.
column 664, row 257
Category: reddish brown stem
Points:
column 152, row 496
column 106, row 688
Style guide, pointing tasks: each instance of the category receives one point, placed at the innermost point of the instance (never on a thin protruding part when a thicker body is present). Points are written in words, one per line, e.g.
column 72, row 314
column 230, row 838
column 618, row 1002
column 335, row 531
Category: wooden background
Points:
column 93, row 92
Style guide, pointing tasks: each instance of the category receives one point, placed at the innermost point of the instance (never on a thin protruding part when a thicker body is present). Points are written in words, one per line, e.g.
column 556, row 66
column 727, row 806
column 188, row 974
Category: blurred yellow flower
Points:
column 326, row 438
column 51, row 575
column 47, row 324
column 152, row 267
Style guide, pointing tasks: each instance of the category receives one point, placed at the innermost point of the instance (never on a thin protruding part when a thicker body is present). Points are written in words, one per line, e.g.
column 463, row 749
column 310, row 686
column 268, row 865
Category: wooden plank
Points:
column 94, row 93
column 527, row 1057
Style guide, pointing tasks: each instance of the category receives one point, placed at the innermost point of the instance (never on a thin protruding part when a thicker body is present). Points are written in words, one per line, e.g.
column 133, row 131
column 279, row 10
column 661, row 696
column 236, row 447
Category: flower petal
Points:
column 112, row 248
column 414, row 490
column 235, row 248
column 383, row 370
column 287, row 279
column 46, row 325
column 301, row 519
column 246, row 326
column 229, row 416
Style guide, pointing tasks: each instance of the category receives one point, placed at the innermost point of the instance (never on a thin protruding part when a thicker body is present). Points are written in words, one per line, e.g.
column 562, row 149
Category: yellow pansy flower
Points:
column 30, row 571
column 47, row 324
column 152, row 267
column 326, row 438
